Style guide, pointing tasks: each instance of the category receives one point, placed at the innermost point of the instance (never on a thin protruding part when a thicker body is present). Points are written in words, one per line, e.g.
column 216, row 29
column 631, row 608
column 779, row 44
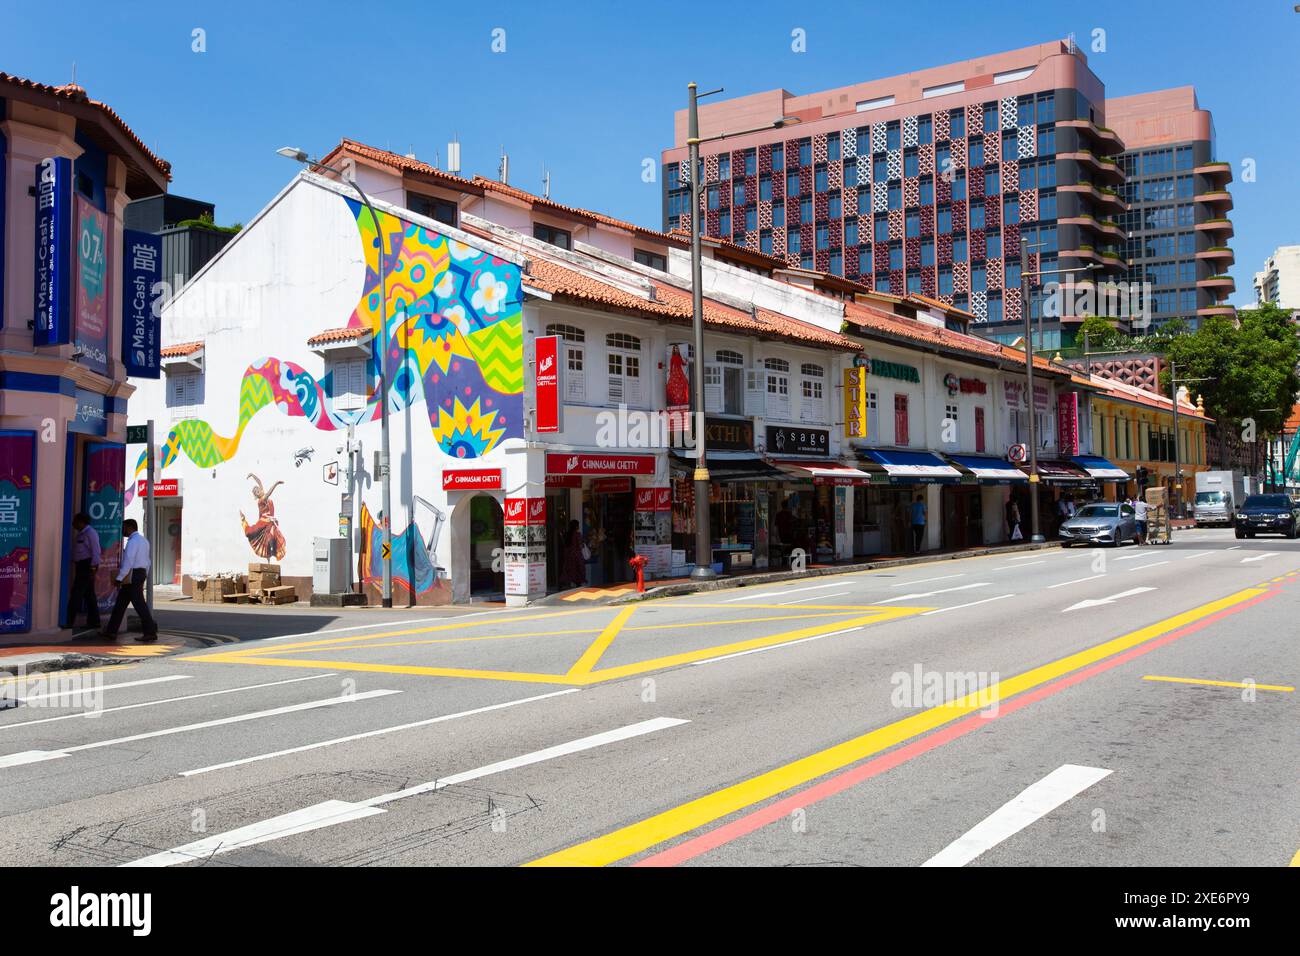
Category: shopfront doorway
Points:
column 609, row 520
column 557, row 532
column 963, row 517
column 486, row 548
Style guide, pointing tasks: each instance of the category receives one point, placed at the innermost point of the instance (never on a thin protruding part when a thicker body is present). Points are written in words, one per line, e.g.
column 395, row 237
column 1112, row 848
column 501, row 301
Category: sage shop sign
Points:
column 896, row 370
column 785, row 440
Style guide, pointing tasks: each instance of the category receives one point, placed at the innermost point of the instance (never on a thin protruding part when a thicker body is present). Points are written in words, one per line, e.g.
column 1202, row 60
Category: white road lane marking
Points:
column 1260, row 557
column 1026, row 564
column 958, row 607
column 1096, row 602
column 91, row 689
column 815, row 597
column 924, row 594
column 1134, row 557
column 37, row 756
column 93, row 714
column 1091, row 577
column 771, row 647
column 943, row 577
column 783, row 592
column 375, row 733
column 1198, row 554
column 1033, row 803
column 334, row 812
column 1024, row 557
column 1143, row 567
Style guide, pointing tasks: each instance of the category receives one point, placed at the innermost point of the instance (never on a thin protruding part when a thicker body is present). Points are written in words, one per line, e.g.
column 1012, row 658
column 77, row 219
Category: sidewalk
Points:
column 626, row 593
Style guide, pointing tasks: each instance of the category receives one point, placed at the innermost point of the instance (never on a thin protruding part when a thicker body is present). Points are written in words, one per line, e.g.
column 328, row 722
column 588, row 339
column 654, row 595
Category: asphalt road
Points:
column 1051, row 707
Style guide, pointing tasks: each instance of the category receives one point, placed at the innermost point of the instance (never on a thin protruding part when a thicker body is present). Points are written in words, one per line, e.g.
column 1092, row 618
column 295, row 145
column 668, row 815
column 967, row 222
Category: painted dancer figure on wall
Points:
column 265, row 538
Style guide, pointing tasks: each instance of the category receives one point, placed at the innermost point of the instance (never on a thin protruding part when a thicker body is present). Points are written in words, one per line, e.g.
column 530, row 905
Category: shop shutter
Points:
column 755, row 392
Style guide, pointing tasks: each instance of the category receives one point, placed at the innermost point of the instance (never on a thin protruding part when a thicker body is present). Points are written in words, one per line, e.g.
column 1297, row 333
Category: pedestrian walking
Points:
column 1140, row 509
column 918, row 524
column 131, row 577
column 573, row 571
column 86, row 555
column 1013, row 521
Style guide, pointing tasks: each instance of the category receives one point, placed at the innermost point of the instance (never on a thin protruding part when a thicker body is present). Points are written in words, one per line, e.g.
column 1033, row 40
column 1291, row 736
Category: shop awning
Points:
column 1062, row 473
column 1100, row 468
column 825, row 473
column 989, row 471
column 727, row 466
column 912, row 466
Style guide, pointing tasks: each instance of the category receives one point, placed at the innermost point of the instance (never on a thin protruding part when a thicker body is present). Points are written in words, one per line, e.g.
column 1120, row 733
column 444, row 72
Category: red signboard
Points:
column 611, row 486
column 162, row 488
column 520, row 511
column 564, row 481
column 471, row 478
column 1067, row 423
column 594, row 463
column 663, row 499
column 645, row 499
column 548, row 383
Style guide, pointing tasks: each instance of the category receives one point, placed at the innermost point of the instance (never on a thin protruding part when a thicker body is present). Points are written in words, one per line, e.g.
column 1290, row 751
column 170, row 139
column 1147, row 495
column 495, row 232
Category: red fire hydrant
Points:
column 638, row 563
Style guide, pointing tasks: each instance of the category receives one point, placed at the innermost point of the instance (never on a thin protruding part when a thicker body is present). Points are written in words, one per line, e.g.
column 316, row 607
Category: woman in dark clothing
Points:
column 573, row 571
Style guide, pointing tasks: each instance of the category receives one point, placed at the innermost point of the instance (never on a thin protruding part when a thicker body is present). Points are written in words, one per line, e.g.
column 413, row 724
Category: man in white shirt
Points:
column 131, row 576
column 1140, row 508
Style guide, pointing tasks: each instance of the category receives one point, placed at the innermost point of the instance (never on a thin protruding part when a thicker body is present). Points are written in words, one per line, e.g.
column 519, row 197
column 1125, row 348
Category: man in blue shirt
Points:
column 918, row 523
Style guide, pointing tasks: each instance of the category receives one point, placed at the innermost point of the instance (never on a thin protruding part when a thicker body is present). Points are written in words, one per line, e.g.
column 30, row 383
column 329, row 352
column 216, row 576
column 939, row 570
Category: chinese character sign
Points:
column 855, row 403
column 90, row 321
column 102, row 500
column 53, row 258
column 17, row 471
column 141, row 304
column 1067, row 423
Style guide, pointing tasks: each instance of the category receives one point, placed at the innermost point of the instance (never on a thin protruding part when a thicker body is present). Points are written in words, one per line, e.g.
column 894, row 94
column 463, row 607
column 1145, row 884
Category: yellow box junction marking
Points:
column 662, row 827
column 583, row 672
column 1220, row 683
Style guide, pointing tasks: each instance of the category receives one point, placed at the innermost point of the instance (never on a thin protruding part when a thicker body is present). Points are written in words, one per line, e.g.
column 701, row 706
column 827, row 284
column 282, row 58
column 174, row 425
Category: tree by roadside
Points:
column 1249, row 367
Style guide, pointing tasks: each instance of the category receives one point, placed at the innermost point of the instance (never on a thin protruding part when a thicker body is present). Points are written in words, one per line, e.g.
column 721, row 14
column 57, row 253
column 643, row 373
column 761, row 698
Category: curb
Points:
column 776, row 577
column 61, row 662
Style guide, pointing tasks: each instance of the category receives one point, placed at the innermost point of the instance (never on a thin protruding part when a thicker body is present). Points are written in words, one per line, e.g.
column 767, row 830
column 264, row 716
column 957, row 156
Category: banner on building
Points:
column 547, row 374
column 17, row 529
column 53, row 259
column 141, row 303
column 677, row 389
column 855, row 403
column 1067, row 423
column 525, row 551
column 90, row 320
column 101, row 499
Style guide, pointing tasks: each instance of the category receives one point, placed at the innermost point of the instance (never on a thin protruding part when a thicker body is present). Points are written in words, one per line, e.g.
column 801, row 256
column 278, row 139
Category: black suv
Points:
column 1268, row 514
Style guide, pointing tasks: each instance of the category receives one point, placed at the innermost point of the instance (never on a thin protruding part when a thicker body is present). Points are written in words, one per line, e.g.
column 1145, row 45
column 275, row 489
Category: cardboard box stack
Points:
column 264, row 585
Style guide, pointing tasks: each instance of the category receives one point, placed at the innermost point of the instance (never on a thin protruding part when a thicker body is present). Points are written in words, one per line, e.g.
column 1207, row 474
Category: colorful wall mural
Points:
column 455, row 341
column 264, row 536
column 412, row 568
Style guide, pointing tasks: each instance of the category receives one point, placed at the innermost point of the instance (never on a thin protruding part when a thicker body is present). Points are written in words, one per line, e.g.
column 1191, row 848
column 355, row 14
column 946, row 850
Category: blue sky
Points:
column 589, row 89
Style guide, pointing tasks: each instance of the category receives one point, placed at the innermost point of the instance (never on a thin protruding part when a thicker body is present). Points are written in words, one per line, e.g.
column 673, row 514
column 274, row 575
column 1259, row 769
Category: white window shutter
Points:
column 575, row 372
column 778, row 396
column 755, row 393
column 713, row 389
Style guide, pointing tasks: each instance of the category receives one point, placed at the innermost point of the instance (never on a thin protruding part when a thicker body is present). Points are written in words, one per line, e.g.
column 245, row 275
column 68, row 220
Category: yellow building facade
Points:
column 1134, row 428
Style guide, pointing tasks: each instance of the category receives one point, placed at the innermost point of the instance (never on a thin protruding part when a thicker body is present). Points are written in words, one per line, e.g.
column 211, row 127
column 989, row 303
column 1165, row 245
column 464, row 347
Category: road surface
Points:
column 1083, row 707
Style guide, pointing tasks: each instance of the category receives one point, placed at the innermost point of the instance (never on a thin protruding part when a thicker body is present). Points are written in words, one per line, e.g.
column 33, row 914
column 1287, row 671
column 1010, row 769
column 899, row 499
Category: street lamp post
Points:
column 381, row 368
column 703, row 535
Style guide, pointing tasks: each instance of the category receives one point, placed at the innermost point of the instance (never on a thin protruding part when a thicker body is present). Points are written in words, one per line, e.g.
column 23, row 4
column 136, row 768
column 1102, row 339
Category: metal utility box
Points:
column 330, row 566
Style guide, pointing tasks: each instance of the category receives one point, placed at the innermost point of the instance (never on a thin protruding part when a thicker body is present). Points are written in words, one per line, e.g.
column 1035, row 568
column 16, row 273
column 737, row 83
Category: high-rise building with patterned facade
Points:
column 1176, row 225
column 925, row 183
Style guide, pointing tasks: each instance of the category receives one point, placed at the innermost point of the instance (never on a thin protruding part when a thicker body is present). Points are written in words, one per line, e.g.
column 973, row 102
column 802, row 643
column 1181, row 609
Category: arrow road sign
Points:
column 1107, row 600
